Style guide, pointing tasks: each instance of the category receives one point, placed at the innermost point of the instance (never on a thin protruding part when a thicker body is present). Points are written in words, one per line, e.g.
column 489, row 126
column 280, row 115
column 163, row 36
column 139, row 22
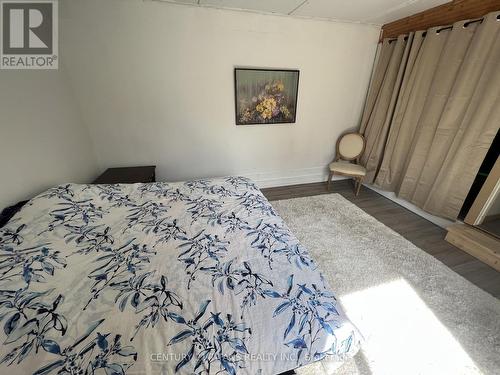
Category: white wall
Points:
column 155, row 85
column 42, row 139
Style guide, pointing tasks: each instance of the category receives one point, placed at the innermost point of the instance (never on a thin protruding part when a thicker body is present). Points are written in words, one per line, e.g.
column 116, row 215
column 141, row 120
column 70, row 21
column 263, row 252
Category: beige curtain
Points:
column 427, row 142
column 381, row 100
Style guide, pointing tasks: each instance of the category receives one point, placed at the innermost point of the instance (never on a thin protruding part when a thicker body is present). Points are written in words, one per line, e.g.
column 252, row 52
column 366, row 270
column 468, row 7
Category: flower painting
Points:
column 265, row 96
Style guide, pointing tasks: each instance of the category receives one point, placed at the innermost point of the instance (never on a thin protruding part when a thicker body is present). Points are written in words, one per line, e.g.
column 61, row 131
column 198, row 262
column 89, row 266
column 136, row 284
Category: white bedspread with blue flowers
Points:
column 198, row 277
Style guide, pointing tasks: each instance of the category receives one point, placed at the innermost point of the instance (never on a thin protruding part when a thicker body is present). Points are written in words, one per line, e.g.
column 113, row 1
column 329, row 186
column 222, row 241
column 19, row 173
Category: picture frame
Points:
column 265, row 96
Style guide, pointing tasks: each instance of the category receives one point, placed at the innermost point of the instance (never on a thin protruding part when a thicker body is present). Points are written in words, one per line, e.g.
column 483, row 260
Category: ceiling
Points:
column 365, row 11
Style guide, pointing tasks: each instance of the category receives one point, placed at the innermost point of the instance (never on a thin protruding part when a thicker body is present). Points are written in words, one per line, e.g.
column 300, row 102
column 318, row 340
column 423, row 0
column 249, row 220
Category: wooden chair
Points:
column 350, row 147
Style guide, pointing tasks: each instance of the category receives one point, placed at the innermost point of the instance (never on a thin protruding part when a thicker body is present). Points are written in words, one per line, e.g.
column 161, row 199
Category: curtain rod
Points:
column 480, row 20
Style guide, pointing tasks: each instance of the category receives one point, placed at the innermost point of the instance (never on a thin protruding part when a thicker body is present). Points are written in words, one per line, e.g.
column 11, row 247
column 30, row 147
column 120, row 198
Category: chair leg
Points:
column 330, row 176
column 359, row 181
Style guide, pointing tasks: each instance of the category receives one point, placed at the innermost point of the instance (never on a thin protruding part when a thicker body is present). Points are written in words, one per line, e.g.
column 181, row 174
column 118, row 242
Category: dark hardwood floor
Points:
column 424, row 234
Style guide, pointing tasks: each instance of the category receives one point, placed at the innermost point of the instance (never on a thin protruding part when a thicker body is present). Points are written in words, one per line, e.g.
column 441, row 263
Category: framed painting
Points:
column 265, row 96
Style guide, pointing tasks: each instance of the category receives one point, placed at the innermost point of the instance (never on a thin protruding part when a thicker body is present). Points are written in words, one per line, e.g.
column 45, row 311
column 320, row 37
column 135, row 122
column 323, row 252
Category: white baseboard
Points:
column 291, row 177
column 320, row 174
column 439, row 221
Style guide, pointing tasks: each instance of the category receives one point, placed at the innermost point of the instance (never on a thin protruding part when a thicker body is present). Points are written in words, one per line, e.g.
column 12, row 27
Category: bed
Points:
column 197, row 277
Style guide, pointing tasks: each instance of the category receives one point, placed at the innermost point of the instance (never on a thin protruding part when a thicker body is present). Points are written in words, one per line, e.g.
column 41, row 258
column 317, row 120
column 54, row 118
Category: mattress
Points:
column 196, row 277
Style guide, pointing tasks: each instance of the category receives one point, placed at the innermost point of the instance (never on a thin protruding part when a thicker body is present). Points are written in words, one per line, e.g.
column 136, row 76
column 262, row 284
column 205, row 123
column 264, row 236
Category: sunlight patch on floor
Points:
column 402, row 334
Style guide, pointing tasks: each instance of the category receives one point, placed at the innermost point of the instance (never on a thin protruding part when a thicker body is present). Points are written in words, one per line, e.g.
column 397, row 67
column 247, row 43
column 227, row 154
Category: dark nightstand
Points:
column 127, row 175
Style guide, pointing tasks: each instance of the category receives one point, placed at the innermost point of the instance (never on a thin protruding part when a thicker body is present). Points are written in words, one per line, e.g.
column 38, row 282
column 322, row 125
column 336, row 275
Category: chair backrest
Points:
column 350, row 146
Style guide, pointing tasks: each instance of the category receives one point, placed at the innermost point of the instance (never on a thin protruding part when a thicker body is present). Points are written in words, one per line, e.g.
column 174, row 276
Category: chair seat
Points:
column 347, row 168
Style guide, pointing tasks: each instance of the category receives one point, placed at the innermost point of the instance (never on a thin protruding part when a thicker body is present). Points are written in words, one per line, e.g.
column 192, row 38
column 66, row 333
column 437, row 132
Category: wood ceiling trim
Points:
column 445, row 14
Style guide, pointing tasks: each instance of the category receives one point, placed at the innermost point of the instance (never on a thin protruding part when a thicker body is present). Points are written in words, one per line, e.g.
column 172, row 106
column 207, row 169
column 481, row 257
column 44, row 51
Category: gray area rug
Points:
column 417, row 316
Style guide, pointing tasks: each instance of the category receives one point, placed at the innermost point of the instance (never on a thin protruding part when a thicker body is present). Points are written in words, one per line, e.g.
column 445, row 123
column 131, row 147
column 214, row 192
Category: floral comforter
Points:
column 195, row 277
